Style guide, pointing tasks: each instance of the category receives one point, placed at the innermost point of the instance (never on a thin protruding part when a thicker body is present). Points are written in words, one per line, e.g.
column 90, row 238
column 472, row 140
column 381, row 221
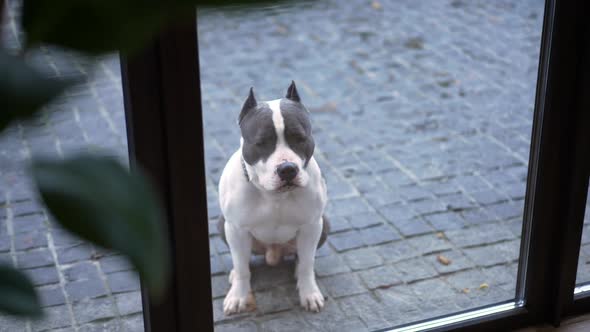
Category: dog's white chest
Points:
column 277, row 220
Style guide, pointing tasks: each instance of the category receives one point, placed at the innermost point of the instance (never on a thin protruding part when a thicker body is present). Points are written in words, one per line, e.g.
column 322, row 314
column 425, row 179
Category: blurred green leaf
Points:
column 96, row 198
column 23, row 90
column 17, row 295
column 98, row 26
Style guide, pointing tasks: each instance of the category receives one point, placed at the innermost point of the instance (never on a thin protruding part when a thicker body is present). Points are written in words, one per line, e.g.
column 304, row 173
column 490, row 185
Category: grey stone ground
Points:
column 422, row 113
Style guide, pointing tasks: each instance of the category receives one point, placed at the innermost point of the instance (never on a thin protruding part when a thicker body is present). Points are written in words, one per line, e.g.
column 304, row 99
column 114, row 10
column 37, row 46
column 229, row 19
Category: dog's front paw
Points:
column 238, row 299
column 312, row 300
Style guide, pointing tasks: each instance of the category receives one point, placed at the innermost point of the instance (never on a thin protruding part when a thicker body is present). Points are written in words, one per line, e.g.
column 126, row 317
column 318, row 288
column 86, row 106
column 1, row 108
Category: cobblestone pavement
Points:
column 422, row 113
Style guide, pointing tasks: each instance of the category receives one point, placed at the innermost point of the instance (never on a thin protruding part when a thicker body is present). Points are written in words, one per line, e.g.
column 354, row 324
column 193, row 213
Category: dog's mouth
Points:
column 287, row 186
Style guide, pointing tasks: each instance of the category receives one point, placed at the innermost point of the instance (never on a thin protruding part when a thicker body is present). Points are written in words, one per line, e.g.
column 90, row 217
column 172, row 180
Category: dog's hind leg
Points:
column 325, row 230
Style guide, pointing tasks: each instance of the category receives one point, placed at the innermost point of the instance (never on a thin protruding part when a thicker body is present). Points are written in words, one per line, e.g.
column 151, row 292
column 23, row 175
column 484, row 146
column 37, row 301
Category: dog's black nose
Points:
column 287, row 171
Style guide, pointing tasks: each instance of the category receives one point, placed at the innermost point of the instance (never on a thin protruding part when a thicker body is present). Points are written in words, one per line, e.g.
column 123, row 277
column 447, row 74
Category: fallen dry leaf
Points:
column 440, row 235
column 484, row 286
column 376, row 5
column 466, row 290
column 443, row 260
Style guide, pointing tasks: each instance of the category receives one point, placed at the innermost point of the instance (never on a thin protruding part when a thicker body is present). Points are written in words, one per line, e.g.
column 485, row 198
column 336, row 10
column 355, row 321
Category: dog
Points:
column 272, row 197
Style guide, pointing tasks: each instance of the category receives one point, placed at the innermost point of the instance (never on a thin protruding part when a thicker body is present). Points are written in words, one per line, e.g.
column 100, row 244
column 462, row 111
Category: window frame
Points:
column 161, row 88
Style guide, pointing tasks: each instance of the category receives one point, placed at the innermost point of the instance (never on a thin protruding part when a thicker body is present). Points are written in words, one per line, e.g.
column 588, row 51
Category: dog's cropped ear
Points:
column 292, row 93
column 249, row 104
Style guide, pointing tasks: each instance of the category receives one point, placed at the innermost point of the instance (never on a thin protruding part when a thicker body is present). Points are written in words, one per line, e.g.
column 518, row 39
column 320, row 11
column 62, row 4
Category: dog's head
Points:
column 276, row 141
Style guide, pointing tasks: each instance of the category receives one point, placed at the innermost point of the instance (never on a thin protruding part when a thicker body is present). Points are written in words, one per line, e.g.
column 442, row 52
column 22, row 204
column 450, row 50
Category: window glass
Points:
column 81, row 286
column 421, row 114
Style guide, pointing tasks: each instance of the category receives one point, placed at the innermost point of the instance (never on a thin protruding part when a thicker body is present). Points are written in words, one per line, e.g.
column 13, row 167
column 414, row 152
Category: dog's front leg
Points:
column 239, row 298
column 307, row 240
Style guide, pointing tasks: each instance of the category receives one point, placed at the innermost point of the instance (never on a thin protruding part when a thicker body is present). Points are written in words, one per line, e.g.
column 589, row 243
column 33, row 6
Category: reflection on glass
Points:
column 421, row 114
column 583, row 275
column 81, row 287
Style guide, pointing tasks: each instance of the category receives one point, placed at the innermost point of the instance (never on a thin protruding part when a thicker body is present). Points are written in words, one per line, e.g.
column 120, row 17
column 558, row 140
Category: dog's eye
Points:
column 261, row 143
column 298, row 138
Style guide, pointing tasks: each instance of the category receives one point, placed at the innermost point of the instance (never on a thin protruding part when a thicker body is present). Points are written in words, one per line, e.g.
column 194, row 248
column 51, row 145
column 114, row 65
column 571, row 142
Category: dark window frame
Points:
column 162, row 95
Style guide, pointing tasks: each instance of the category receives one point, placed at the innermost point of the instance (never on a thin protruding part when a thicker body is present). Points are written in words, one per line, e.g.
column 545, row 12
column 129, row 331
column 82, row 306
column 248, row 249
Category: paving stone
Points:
column 62, row 238
column 273, row 300
column 217, row 244
column 436, row 293
column 400, row 301
column 239, row 326
column 415, row 269
column 331, row 318
column 93, row 309
column 129, row 303
column 74, row 254
column 330, row 265
column 220, row 285
column 458, row 202
column 446, row 221
column 506, row 210
column 479, row 235
column 84, row 289
column 4, row 243
column 25, row 208
column 501, row 276
column 110, row 325
column 51, row 295
column 349, row 206
column 114, row 264
column 379, row 234
column 412, row 227
column 449, row 261
column 488, row 197
column 515, row 191
column 10, row 324
column 123, row 281
column 397, row 251
column 43, row 275
column 397, row 212
column 28, row 223
column 81, row 271
column 380, row 277
column 468, row 281
column 30, row 240
column 368, row 309
column 217, row 266
column 339, row 224
column 477, row 217
column 442, row 188
column 471, row 183
column 361, row 259
column 415, row 193
column 503, row 252
column 426, row 244
column 379, row 197
column 365, row 220
column 342, row 285
column 54, row 317
column 266, row 277
column 6, row 259
column 428, row 207
column 288, row 322
column 31, row 259
column 346, row 241
column 324, row 250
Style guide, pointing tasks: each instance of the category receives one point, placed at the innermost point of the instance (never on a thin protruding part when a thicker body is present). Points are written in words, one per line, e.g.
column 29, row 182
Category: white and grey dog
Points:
column 272, row 196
